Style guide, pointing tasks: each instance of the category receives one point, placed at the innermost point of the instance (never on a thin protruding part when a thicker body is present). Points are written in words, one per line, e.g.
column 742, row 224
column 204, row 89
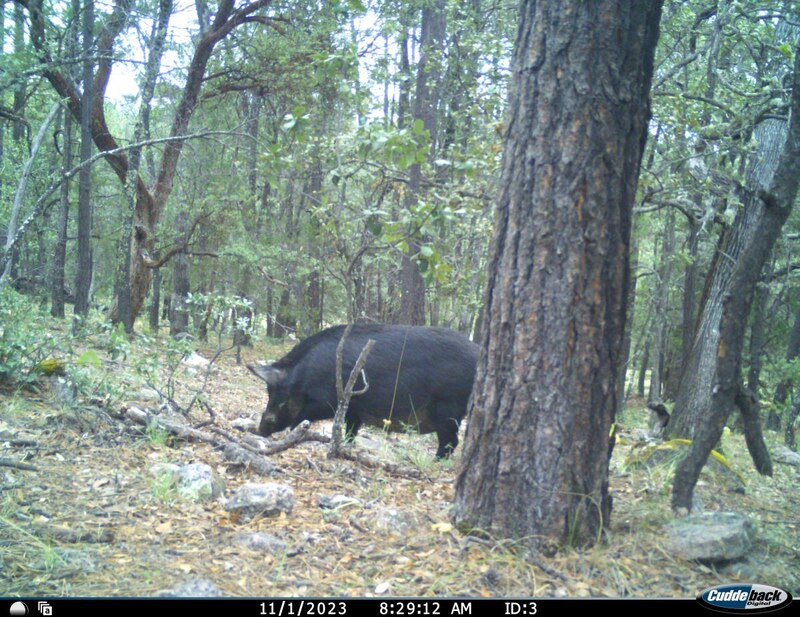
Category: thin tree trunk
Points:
column 124, row 301
column 787, row 386
column 6, row 258
column 661, row 303
column 425, row 105
column 83, row 277
column 689, row 300
column 57, row 279
column 18, row 128
column 155, row 304
column 640, row 384
column 179, row 311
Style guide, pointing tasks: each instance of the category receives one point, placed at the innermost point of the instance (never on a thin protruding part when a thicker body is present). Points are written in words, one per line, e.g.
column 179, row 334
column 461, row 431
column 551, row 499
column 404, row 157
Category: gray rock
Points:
column 741, row 570
column 244, row 424
column 159, row 470
column 784, row 455
column 196, row 360
column 148, row 394
column 193, row 588
column 712, row 537
column 259, row 541
column 395, row 521
column 252, row 500
column 199, row 482
column 78, row 560
column 332, row 502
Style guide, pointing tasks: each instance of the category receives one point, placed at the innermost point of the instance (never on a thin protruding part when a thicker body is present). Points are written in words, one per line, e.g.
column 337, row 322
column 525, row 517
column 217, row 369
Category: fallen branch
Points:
column 362, row 458
column 4, row 462
column 233, row 450
column 74, row 536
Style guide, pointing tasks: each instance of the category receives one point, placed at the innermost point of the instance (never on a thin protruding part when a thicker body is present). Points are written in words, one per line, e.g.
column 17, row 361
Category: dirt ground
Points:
column 91, row 520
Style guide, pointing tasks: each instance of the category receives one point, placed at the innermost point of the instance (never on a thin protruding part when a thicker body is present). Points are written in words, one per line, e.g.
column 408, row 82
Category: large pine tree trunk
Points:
column 535, row 461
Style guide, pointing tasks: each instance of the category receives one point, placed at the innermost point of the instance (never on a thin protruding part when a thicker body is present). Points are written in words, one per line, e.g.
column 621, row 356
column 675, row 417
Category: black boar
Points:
column 418, row 377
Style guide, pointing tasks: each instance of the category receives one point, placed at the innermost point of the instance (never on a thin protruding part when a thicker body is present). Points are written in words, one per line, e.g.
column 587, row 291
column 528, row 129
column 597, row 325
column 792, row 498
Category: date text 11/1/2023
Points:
column 392, row 608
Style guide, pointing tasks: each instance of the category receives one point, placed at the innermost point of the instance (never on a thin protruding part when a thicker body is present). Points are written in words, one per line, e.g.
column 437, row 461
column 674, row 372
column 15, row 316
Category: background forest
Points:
column 331, row 161
column 257, row 171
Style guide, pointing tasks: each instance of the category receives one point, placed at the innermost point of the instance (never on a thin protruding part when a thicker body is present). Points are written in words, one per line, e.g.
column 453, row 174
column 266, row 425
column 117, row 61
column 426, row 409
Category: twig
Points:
column 345, row 393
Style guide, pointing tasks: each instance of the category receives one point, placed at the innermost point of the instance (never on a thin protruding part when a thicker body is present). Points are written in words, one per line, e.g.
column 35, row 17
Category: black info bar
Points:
column 330, row 607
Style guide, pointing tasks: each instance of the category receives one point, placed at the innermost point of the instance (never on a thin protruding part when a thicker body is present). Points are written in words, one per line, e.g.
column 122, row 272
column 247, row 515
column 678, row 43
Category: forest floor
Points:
column 91, row 520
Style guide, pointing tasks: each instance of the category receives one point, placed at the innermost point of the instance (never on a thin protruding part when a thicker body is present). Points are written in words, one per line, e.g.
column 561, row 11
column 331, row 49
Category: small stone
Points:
column 711, row 538
column 252, row 500
column 331, row 502
column 194, row 588
column 199, row 482
column 259, row 541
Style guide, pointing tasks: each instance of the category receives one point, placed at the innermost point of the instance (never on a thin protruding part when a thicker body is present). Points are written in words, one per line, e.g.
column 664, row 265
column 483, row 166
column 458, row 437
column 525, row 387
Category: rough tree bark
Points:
column 535, row 459
column 777, row 194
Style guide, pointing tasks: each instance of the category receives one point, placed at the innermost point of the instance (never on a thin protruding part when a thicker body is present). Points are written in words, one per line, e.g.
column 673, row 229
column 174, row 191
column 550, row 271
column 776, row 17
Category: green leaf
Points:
column 89, row 357
column 357, row 5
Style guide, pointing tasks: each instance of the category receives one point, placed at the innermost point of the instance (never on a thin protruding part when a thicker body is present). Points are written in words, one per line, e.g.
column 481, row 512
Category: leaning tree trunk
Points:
column 535, row 461
column 692, row 400
column 777, row 195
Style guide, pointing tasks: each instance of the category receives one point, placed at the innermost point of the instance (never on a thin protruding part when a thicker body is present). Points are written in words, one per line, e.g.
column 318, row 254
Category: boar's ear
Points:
column 268, row 373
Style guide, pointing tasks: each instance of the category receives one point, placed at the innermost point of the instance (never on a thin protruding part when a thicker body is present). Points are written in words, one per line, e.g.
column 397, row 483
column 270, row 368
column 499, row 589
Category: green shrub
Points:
column 25, row 341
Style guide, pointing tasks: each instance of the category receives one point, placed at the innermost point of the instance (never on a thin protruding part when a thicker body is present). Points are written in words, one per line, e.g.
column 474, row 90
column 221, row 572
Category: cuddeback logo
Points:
column 744, row 598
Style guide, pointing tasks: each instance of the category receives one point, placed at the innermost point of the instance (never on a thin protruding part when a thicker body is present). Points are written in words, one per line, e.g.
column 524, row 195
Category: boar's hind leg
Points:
column 446, row 430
